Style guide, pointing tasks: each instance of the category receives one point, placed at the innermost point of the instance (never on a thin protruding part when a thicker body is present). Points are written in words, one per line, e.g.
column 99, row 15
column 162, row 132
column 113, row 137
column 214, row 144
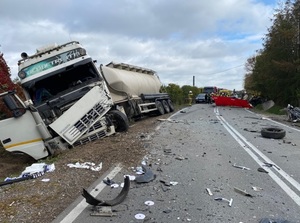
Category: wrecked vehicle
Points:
column 69, row 101
column 293, row 113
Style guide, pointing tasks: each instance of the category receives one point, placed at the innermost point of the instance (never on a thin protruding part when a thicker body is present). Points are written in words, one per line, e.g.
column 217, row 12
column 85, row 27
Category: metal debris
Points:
column 271, row 165
column 262, row 170
column 209, row 191
column 243, row 192
column 241, row 167
column 224, row 199
column 146, row 177
column 103, row 212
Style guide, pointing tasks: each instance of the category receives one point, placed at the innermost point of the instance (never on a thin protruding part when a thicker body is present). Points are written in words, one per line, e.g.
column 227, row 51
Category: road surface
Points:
column 196, row 152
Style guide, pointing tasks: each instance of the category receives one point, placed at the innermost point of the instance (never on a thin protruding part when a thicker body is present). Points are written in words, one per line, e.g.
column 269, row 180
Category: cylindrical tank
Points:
column 132, row 80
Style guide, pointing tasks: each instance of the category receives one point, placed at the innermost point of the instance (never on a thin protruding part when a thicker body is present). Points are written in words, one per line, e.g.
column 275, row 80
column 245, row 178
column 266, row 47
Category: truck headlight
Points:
column 22, row 74
column 82, row 52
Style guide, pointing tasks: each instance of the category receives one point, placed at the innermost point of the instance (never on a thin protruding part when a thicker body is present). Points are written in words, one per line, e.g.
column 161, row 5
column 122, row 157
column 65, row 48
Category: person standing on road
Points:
column 206, row 101
column 190, row 97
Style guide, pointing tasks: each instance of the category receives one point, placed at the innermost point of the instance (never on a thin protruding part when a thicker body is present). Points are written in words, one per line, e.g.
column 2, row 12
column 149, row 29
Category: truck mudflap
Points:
column 78, row 119
column 21, row 135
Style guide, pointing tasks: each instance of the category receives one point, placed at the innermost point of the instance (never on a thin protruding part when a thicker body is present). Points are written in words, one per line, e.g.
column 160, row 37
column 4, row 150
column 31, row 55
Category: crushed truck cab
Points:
column 69, row 101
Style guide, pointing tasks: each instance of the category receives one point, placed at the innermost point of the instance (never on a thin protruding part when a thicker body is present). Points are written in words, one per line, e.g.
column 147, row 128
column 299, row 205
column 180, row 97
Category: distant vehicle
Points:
column 209, row 90
column 200, row 98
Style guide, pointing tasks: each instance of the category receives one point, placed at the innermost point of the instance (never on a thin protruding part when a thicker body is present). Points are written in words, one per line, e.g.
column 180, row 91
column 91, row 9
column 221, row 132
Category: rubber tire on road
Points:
column 160, row 108
column 119, row 120
column 273, row 133
column 166, row 106
column 171, row 106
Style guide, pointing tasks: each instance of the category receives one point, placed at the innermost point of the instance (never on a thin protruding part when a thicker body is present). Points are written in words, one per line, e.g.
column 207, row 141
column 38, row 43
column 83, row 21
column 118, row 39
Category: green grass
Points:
column 276, row 110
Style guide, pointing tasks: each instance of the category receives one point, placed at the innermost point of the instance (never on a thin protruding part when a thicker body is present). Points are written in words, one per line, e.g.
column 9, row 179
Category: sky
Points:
column 182, row 40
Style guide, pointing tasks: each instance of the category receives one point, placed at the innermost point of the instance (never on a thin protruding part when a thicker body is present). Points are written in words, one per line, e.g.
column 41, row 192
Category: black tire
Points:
column 273, row 133
column 160, row 108
column 166, row 106
column 171, row 106
column 119, row 120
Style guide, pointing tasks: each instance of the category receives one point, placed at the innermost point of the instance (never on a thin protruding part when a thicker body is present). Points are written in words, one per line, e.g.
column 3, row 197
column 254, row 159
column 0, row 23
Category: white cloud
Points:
column 206, row 39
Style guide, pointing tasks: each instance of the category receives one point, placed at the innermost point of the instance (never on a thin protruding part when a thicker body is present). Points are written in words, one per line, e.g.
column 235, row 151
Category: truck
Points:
column 70, row 101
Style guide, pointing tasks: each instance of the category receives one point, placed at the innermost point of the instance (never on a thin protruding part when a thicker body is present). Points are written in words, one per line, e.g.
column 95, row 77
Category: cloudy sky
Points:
column 179, row 39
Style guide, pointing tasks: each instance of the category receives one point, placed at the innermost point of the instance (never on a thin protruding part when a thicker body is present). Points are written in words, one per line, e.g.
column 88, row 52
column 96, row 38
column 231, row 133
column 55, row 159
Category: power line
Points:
column 227, row 69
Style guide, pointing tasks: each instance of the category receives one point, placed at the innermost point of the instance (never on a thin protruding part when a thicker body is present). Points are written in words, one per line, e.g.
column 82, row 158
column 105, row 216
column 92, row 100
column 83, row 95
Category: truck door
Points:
column 18, row 131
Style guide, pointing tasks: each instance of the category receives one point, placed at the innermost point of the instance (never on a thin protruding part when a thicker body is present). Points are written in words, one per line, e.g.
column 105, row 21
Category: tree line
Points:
column 274, row 72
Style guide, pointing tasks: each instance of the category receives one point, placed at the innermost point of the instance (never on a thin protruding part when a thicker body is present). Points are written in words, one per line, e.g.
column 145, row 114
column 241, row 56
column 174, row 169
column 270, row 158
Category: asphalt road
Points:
column 195, row 150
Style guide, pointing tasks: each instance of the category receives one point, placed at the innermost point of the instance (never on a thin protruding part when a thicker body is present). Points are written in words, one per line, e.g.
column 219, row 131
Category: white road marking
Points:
column 76, row 211
column 245, row 144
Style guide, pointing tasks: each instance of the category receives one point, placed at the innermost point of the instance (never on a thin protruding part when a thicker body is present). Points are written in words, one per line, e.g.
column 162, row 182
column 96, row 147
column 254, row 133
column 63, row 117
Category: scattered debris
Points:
column 146, row 177
column 167, row 211
column 241, row 167
column 179, row 158
column 257, row 188
column 250, row 130
column 86, row 165
column 209, row 191
column 167, row 151
column 30, row 172
column 271, row 165
column 131, row 177
column 173, row 183
column 149, row 203
column 224, row 199
column 108, row 181
column 104, row 211
column 269, row 220
column 243, row 192
column 121, row 196
column 139, row 216
column 262, row 170
column 169, row 183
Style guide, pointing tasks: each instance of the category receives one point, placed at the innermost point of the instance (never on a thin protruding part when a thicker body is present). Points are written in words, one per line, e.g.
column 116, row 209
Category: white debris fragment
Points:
column 86, row 165
column 173, row 183
column 131, row 177
column 114, row 185
column 139, row 216
column 149, row 203
column 257, row 188
column 45, row 180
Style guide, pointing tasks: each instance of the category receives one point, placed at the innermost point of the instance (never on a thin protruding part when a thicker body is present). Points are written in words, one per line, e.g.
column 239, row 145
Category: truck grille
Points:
column 86, row 121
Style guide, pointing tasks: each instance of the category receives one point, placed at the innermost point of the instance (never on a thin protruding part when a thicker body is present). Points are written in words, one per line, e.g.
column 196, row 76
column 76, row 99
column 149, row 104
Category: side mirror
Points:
column 13, row 106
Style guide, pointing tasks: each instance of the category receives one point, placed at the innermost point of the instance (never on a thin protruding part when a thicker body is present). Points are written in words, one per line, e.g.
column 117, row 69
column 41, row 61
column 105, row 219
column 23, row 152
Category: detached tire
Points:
column 273, row 133
column 120, row 120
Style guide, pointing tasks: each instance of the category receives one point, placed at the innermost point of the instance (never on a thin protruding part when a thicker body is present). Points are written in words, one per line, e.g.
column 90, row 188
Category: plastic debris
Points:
column 173, row 183
column 30, row 172
column 262, row 170
column 146, row 177
column 271, row 165
column 224, row 199
column 131, row 177
column 241, row 167
column 114, row 185
column 209, row 191
column 139, row 216
column 149, row 203
column 243, row 192
column 257, row 188
column 108, row 181
column 86, row 165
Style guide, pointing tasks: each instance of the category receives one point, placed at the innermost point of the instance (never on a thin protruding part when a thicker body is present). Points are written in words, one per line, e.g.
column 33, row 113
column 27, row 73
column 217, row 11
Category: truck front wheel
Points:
column 166, row 106
column 119, row 120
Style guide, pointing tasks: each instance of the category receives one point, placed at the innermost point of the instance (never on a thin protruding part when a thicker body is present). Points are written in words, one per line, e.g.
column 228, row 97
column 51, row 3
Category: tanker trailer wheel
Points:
column 160, row 108
column 166, row 106
column 119, row 120
column 171, row 106
column 273, row 133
